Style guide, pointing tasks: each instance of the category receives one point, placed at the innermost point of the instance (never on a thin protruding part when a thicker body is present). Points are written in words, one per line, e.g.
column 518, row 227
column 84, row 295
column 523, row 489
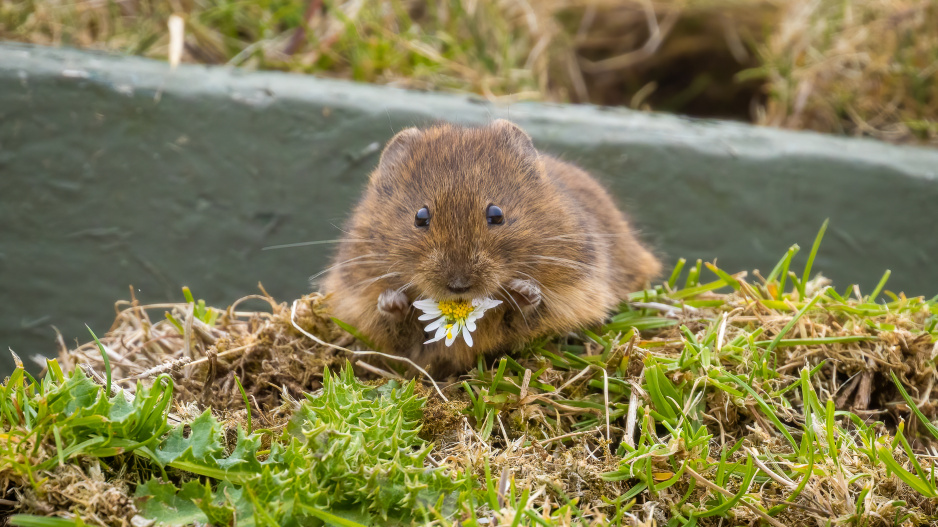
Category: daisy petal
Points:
column 458, row 319
column 426, row 304
column 435, row 324
column 440, row 333
column 452, row 334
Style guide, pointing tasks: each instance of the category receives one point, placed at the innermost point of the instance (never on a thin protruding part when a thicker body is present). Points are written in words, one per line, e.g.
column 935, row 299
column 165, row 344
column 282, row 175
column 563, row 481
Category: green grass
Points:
column 814, row 81
column 446, row 45
column 349, row 452
column 857, row 68
column 735, row 404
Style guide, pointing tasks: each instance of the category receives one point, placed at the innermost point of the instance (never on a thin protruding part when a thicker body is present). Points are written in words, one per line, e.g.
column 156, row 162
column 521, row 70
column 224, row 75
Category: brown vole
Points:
column 455, row 213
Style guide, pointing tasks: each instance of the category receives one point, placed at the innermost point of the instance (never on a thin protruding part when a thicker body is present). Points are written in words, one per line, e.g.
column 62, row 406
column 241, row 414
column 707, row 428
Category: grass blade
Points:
column 814, row 248
column 105, row 359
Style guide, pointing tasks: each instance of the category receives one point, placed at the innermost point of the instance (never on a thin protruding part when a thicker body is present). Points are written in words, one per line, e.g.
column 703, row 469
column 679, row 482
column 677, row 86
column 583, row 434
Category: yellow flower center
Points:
column 455, row 309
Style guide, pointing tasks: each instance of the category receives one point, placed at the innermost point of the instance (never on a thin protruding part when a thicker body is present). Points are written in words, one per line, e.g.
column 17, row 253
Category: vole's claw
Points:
column 525, row 292
column 393, row 303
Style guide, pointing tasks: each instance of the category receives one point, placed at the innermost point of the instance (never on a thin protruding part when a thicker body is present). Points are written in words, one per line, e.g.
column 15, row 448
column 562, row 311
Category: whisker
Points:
column 546, row 299
column 593, row 235
column 318, row 242
column 512, row 300
column 340, row 264
column 507, row 294
column 340, row 229
column 564, row 261
column 535, row 280
column 373, row 280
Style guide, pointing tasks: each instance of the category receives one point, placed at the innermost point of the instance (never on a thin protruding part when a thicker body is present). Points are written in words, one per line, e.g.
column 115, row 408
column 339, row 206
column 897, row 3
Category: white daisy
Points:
column 453, row 317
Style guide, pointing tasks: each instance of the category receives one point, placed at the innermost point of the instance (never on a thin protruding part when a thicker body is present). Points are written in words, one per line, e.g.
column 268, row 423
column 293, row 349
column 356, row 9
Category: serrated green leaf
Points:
column 352, row 449
column 167, row 505
column 205, row 439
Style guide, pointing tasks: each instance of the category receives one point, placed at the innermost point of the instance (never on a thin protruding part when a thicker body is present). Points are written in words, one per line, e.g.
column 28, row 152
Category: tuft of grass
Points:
column 200, row 312
column 859, row 68
column 667, row 55
column 752, row 405
column 350, row 452
column 712, row 398
column 57, row 432
column 349, row 455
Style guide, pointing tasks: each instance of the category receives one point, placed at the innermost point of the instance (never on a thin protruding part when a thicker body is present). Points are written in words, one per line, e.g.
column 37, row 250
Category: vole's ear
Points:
column 398, row 147
column 517, row 138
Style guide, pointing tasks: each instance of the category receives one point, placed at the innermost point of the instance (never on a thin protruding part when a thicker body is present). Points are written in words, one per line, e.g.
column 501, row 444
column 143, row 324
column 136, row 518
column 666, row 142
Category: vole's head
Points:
column 460, row 212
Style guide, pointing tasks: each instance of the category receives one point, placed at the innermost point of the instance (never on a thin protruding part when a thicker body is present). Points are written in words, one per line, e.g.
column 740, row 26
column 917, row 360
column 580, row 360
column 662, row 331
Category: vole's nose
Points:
column 458, row 285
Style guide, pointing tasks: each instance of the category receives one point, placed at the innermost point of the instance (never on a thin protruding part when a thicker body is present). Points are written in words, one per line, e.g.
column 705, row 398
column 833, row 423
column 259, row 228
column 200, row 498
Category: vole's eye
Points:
column 494, row 215
column 422, row 219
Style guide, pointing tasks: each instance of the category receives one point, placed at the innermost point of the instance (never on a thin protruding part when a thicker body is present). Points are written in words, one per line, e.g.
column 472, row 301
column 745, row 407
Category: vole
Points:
column 460, row 213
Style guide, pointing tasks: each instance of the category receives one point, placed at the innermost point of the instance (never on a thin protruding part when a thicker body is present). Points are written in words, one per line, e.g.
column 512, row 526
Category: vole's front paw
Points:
column 393, row 304
column 526, row 293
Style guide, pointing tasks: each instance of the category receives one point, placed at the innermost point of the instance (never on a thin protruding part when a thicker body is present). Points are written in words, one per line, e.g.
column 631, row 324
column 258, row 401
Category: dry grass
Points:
column 574, row 420
column 858, row 67
column 261, row 348
column 865, row 68
column 671, row 54
column 85, row 490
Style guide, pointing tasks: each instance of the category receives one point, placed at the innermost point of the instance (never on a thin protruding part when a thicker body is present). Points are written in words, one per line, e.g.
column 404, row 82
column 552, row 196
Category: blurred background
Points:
column 106, row 181
column 853, row 67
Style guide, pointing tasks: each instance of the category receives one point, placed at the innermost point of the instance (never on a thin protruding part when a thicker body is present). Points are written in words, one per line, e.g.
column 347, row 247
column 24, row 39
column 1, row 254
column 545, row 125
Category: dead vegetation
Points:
column 261, row 348
column 865, row 68
column 860, row 67
column 85, row 491
column 586, row 421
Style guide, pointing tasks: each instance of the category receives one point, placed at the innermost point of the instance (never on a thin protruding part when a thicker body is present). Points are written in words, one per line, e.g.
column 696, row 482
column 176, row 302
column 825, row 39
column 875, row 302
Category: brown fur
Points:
column 562, row 259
